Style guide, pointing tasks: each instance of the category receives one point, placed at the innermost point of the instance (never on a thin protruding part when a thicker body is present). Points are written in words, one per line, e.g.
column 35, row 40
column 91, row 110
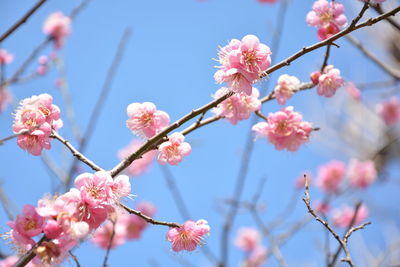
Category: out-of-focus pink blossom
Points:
column 329, row 81
column 343, row 217
column 188, row 236
column 145, row 119
column 330, row 175
column 9, row 261
column 5, row 57
column 173, row 150
column 285, row 88
column 248, row 238
column 58, row 27
column 257, row 257
column 102, row 236
column 268, row 1
column 139, row 166
column 361, row 173
column 5, row 98
column 353, row 91
column 285, row 129
column 242, row 62
column 135, row 225
column 237, row 107
column 322, row 207
column 389, row 111
column 328, row 17
column 299, row 183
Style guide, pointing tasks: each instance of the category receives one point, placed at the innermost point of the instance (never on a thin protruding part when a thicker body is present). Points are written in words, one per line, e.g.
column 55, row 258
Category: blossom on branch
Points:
column 173, row 150
column 285, row 88
column 342, row 217
column 188, row 236
column 330, row 175
column 389, row 111
column 361, row 173
column 138, row 166
column 284, row 129
column 237, row 107
column 58, row 27
column 242, row 62
column 329, row 81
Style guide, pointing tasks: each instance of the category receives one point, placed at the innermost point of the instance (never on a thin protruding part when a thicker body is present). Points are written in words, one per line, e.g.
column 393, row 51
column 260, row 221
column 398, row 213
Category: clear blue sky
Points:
column 169, row 61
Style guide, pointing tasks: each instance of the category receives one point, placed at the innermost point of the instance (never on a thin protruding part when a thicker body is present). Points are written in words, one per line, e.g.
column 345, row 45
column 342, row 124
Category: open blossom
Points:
column 353, row 91
column 39, row 117
column 330, row 176
column 361, row 173
column 328, row 17
column 58, row 27
column 188, row 236
column 5, row 57
column 237, row 107
column 173, row 150
column 285, row 129
column 342, row 217
column 329, row 81
column 145, row 119
column 242, row 62
column 285, row 88
column 29, row 223
column 389, row 111
column 248, row 238
column 139, row 166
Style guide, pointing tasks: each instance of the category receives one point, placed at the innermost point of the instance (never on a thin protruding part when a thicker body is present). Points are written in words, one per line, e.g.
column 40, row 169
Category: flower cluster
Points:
column 68, row 218
column 125, row 227
column 284, row 129
column 285, row 88
column 328, row 81
column 139, row 166
column 328, row 17
column 389, row 111
column 242, row 62
column 173, row 150
column 58, row 27
column 237, row 107
column 249, row 240
column 38, row 117
column 188, row 236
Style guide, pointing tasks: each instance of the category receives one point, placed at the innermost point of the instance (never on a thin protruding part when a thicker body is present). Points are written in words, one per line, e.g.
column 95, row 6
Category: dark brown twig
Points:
column 380, row 11
column 30, row 254
column 109, row 244
column 75, row 259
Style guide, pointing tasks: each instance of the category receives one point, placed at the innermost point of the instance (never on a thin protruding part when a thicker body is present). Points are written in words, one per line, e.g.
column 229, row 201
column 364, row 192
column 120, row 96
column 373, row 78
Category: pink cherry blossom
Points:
column 120, row 187
column 188, row 236
column 58, row 27
column 322, row 207
column 314, row 77
column 5, row 98
column 95, row 188
column 285, row 129
column 329, row 81
column 242, row 62
column 139, row 166
column 285, row 88
column 29, row 223
column 9, row 261
column 173, row 150
column 330, row 175
column 257, row 257
column 5, row 57
column 353, row 91
column 237, row 107
column 145, row 120
column 102, row 236
column 52, row 253
column 361, row 173
column 135, row 225
column 328, row 17
column 389, row 111
column 248, row 238
column 342, row 217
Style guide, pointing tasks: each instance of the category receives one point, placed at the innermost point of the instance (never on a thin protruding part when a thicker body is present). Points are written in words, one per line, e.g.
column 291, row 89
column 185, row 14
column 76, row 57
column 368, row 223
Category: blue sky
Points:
column 169, row 61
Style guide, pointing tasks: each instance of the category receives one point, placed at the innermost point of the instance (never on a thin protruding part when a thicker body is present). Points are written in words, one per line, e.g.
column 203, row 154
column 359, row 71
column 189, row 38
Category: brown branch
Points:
column 30, row 254
column 380, row 11
column 75, row 152
column 109, row 243
column 326, row 57
column 262, row 116
column 147, row 218
column 75, row 259
column 22, row 20
column 392, row 72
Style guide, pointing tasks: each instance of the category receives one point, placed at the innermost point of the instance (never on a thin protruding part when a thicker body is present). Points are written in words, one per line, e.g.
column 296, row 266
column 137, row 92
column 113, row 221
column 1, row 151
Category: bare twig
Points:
column 22, row 20
column 147, row 218
column 75, row 259
column 380, row 11
column 326, row 57
column 109, row 243
column 6, row 203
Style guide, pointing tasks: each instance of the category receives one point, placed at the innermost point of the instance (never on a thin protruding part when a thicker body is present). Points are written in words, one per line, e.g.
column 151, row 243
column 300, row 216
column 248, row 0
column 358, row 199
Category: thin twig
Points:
column 22, row 20
column 326, row 57
column 7, row 204
column 75, row 259
column 147, row 218
column 380, row 11
column 109, row 244
column 30, row 254
column 26, row 131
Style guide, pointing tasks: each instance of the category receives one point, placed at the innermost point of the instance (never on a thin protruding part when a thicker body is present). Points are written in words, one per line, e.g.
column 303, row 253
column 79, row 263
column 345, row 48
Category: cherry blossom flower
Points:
column 361, row 173
column 342, row 217
column 139, row 166
column 322, row 207
column 135, row 225
column 95, row 188
column 285, row 88
column 330, row 175
column 248, row 238
column 145, row 119
column 58, row 27
column 329, row 81
column 328, row 17
column 5, row 57
column 9, row 261
column 29, row 223
column 242, row 62
column 389, row 111
column 188, row 236
column 257, row 257
column 353, row 91
column 5, row 98
column 173, row 150
column 285, row 129
column 237, row 107
column 102, row 236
